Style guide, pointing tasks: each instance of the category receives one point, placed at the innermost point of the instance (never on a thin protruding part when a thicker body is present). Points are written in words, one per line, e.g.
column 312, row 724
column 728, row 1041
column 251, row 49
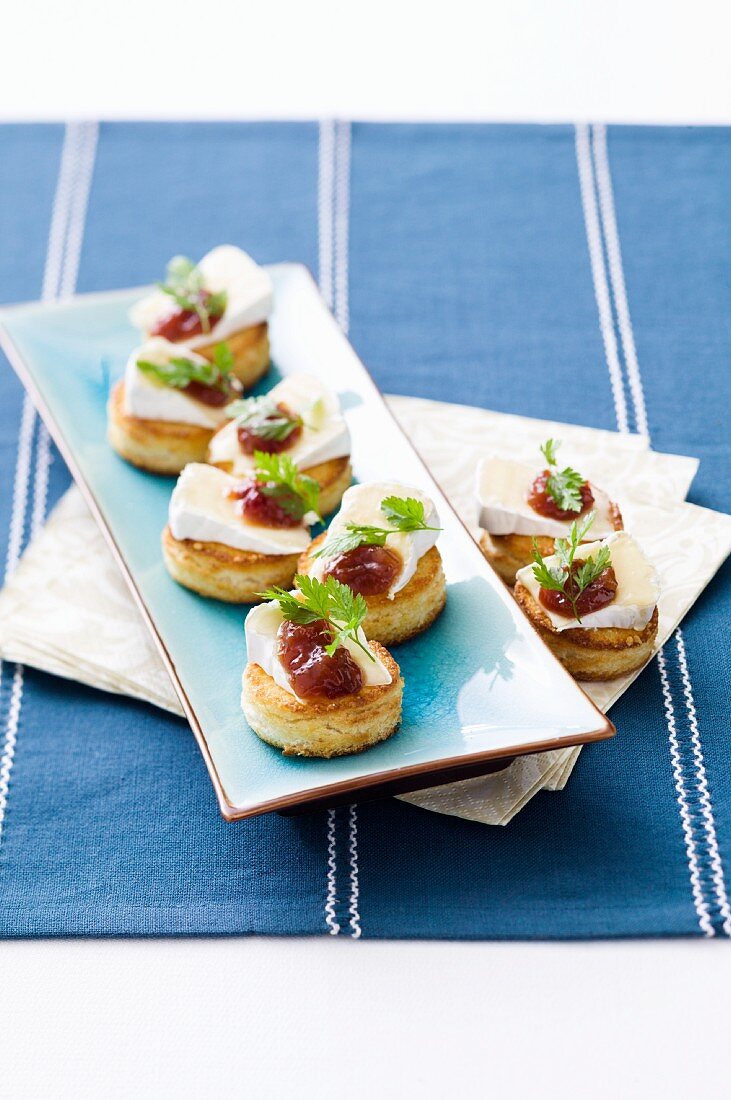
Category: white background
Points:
column 275, row 1018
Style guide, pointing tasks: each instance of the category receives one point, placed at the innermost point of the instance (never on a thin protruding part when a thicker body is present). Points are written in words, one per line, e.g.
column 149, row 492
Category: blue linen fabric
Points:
column 466, row 277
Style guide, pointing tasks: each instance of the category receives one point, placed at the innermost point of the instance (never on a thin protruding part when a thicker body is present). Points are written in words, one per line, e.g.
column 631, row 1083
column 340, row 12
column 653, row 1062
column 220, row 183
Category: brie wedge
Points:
column 638, row 587
column 201, row 509
column 261, row 626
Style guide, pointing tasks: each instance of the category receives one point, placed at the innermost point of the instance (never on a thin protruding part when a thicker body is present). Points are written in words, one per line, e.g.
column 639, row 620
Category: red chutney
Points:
column 257, row 504
column 249, row 441
column 312, row 673
column 542, row 502
column 215, row 396
column 599, row 593
column 368, row 570
column 184, row 323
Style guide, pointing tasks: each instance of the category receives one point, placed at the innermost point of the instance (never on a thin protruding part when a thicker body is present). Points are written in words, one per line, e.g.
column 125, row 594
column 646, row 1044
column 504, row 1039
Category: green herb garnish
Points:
column 563, row 486
column 556, row 578
column 335, row 603
column 184, row 283
column 404, row 513
column 179, row 372
column 279, row 478
column 261, row 417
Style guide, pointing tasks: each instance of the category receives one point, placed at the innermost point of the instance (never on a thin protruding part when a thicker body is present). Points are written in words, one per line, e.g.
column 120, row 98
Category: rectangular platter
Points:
column 480, row 685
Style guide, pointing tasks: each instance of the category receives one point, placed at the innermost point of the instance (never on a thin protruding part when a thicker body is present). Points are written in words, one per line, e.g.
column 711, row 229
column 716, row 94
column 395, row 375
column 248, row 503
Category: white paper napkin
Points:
column 68, row 611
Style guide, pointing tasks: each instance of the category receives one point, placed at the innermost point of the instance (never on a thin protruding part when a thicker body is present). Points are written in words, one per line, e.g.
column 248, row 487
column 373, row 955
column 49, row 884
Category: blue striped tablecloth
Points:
column 573, row 274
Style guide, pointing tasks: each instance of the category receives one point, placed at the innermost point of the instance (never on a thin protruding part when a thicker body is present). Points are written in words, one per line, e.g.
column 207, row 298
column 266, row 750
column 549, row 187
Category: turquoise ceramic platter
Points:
column 480, row 685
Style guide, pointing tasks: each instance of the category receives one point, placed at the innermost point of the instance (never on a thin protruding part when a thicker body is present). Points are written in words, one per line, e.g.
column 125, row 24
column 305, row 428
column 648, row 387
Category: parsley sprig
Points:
column 279, row 478
column 342, row 609
column 404, row 514
column 262, row 418
column 185, row 284
column 564, row 579
column 180, row 371
column 564, row 486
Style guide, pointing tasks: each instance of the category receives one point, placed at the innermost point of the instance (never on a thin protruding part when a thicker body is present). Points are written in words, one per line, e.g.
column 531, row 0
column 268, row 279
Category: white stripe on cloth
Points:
column 719, row 882
column 700, row 903
column 589, row 168
column 599, row 275
column 59, row 279
column 616, row 272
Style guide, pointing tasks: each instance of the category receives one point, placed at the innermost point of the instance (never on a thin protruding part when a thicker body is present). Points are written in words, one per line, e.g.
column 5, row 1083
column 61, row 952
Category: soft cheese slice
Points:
column 638, row 587
column 249, row 288
column 200, row 509
column 324, row 435
column 362, row 505
column 148, row 399
column 261, row 626
column 501, row 488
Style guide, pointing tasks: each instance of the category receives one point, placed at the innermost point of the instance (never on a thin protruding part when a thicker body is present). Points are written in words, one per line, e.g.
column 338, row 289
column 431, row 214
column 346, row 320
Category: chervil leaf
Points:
column 180, row 371
column 347, row 612
column 333, row 602
column 183, row 272
column 184, row 283
column 223, row 358
column 591, row 568
column 553, row 579
column 216, row 303
column 548, row 450
column 565, row 549
column 405, row 514
column 315, row 595
column 353, row 536
column 279, row 477
column 563, row 486
column 292, row 608
column 263, row 418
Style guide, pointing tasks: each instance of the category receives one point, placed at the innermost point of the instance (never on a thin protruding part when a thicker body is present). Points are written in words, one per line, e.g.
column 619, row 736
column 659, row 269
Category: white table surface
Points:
column 275, row 1018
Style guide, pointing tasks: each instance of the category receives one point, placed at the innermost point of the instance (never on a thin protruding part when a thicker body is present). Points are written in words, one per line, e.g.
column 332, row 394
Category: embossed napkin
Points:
column 68, row 611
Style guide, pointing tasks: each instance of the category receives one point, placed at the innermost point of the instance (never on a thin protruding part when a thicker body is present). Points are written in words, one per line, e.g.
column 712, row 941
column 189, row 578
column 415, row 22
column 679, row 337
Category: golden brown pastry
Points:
column 164, row 412
column 594, row 604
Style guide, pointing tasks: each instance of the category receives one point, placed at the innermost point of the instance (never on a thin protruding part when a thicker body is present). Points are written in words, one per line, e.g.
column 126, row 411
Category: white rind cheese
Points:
column 501, row 489
column 638, row 587
column 362, row 505
column 261, row 626
column 200, row 509
column 249, row 289
column 325, row 434
column 150, row 400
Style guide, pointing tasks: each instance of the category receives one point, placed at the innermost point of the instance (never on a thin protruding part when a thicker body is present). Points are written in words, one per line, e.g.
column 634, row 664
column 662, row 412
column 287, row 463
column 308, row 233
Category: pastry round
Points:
column 509, row 553
column 592, row 654
column 222, row 572
column 160, row 446
column 412, row 610
column 322, row 727
column 250, row 349
column 333, row 477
